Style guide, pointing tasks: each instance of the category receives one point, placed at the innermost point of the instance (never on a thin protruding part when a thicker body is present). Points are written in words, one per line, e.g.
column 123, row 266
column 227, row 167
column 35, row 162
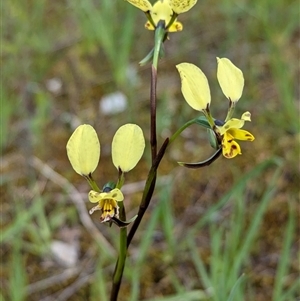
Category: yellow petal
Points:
column 127, row 147
column 94, row 196
column 161, row 11
column 115, row 194
column 230, row 148
column 241, row 134
column 149, row 26
column 232, row 123
column 176, row 26
column 83, row 149
column 230, row 78
column 194, row 86
column 143, row 5
column 181, row 6
column 246, row 116
column 109, row 209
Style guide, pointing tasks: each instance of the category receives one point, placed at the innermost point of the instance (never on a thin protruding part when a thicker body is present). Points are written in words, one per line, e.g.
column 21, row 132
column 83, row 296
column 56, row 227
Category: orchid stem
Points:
column 160, row 35
column 117, row 278
column 153, row 140
column 148, row 191
column 151, row 179
column 180, row 130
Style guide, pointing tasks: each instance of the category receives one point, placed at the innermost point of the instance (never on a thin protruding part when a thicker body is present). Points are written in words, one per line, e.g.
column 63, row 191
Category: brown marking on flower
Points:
column 249, row 137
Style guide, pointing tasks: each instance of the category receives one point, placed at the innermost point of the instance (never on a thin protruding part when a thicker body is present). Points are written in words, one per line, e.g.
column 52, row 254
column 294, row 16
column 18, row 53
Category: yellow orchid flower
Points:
column 107, row 203
column 230, row 132
column 164, row 10
column 195, row 89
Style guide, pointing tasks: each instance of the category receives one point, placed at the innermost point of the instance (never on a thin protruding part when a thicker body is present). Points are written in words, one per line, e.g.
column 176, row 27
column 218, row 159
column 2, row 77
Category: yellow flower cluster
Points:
column 83, row 149
column 195, row 89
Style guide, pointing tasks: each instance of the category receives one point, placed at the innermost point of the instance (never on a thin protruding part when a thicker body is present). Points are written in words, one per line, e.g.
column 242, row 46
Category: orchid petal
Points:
column 143, row 5
column 127, row 147
column 182, row 6
column 241, row 134
column 194, row 86
column 231, row 79
column 83, row 150
column 230, row 148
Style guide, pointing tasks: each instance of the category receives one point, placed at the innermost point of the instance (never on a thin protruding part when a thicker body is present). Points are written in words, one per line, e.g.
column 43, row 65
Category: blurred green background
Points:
column 224, row 232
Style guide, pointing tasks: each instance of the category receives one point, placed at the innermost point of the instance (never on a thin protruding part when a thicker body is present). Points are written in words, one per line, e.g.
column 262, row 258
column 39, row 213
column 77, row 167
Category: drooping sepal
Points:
column 207, row 162
column 123, row 224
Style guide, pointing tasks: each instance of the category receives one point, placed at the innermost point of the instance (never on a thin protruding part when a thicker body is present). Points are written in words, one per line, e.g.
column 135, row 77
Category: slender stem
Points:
column 160, row 34
column 121, row 179
column 159, row 37
column 151, row 180
column 149, row 17
column 199, row 120
column 117, row 278
column 92, row 183
column 148, row 191
column 230, row 110
column 180, row 130
column 174, row 16
column 153, row 140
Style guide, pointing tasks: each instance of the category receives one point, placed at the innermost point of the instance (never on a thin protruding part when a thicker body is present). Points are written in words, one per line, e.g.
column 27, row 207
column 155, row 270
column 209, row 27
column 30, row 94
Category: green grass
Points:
column 226, row 232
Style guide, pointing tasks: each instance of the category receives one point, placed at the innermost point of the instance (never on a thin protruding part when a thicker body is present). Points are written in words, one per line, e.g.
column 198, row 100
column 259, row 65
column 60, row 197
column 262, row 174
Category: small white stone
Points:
column 54, row 85
column 113, row 103
column 64, row 253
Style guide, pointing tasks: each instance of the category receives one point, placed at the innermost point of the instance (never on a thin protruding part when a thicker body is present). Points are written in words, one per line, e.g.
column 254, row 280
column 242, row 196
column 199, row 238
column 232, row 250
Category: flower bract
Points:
column 127, row 147
column 230, row 78
column 107, row 203
column 194, row 86
column 83, row 150
column 232, row 131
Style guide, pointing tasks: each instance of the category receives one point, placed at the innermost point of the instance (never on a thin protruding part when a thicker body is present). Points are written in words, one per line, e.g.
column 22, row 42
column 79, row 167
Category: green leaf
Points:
column 122, row 224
